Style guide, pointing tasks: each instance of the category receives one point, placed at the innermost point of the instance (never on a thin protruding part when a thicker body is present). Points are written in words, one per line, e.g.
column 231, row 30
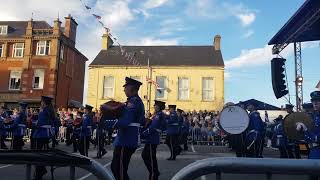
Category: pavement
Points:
column 137, row 169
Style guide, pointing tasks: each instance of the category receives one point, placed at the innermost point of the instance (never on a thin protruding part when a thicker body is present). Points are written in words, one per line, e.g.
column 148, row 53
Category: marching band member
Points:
column 313, row 136
column 185, row 132
column 281, row 138
column 86, row 130
column 18, row 127
column 151, row 135
column 292, row 145
column 255, row 133
column 128, row 124
column 172, row 132
column 43, row 132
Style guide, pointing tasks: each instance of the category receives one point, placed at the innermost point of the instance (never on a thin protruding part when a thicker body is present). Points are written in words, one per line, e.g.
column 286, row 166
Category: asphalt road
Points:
column 137, row 169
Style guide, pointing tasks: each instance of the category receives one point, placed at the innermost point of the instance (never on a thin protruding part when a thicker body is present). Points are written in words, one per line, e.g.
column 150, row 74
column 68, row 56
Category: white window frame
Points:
column 3, row 30
column 164, row 89
column 36, row 73
column 15, row 50
column 183, row 89
column 11, row 77
column 105, row 96
column 2, row 48
column 207, row 90
column 43, row 45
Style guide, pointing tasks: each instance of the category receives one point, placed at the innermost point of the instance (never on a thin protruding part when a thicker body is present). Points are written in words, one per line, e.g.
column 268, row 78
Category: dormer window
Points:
column 3, row 30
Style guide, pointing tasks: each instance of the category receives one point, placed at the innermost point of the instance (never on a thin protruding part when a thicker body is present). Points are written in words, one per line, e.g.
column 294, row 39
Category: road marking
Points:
column 8, row 165
column 192, row 147
column 193, row 150
column 108, row 164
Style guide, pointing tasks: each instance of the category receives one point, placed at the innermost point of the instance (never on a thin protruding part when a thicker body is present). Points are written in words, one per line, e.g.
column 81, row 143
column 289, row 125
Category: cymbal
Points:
column 290, row 121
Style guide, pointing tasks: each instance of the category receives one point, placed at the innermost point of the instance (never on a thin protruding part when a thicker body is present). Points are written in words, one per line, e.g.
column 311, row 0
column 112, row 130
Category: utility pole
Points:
column 149, row 86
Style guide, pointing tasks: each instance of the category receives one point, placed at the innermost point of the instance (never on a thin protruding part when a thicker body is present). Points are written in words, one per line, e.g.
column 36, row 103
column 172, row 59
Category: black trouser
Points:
column 185, row 142
column 100, row 138
column 2, row 144
column 41, row 144
column 283, row 152
column 149, row 156
column 255, row 149
column 171, row 141
column 75, row 142
column 120, row 162
column 17, row 142
column 84, row 145
column 296, row 149
column 68, row 136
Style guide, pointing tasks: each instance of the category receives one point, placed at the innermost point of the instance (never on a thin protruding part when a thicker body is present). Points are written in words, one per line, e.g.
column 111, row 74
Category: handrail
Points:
column 234, row 165
column 55, row 158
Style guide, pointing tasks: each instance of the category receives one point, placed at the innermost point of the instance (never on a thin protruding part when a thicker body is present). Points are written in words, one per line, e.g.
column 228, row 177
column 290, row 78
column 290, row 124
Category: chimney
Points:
column 29, row 27
column 216, row 42
column 56, row 26
column 106, row 41
column 70, row 29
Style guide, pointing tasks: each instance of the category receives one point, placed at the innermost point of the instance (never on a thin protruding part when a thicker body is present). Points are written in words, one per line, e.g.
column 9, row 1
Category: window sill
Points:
column 14, row 90
column 37, row 89
column 207, row 100
column 187, row 100
column 15, row 59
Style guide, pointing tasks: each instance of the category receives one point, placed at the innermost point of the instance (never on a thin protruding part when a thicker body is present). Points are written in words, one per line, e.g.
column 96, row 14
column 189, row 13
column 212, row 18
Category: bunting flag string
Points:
column 129, row 58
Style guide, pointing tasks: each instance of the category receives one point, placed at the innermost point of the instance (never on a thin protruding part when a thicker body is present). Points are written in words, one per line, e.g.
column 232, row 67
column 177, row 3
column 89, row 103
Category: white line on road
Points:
column 8, row 165
column 193, row 150
column 108, row 164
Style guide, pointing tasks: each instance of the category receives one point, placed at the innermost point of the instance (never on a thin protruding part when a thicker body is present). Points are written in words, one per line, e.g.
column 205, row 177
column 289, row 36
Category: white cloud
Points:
column 169, row 26
column 217, row 10
column 150, row 4
column 152, row 41
column 251, row 57
column 262, row 56
column 116, row 15
column 248, row 34
column 246, row 19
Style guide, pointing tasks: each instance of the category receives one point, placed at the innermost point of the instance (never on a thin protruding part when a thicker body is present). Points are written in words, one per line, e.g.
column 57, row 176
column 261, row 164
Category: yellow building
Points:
column 192, row 77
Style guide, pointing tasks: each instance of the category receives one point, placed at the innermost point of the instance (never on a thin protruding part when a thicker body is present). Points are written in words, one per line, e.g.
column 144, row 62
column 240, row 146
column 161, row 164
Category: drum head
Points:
column 234, row 119
column 290, row 126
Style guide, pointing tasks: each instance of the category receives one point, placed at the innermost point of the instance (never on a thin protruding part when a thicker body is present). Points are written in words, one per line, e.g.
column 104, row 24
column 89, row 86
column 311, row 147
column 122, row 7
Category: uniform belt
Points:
column 21, row 125
column 134, row 124
column 46, row 126
column 279, row 136
column 174, row 124
column 158, row 130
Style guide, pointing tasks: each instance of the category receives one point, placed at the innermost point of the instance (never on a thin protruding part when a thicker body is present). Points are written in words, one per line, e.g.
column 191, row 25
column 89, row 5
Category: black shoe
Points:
column 103, row 153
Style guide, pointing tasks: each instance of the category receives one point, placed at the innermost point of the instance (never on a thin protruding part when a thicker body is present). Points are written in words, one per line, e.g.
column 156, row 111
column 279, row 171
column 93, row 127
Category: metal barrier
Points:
column 231, row 165
column 55, row 158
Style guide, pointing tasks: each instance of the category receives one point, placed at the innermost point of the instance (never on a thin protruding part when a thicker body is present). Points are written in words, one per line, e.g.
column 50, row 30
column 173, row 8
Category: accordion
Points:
column 112, row 109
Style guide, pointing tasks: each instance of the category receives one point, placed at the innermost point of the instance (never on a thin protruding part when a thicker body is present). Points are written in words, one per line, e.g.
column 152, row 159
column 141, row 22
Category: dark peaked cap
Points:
column 133, row 82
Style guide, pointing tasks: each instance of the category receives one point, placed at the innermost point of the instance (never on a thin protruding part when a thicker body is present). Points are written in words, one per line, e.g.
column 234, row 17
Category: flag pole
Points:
column 149, row 86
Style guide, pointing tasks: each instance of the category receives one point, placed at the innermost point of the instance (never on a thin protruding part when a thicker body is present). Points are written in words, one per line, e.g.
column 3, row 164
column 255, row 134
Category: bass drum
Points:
column 234, row 119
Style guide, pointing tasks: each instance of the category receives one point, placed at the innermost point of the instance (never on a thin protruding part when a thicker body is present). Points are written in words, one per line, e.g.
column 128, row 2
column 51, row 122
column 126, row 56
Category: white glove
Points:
column 301, row 127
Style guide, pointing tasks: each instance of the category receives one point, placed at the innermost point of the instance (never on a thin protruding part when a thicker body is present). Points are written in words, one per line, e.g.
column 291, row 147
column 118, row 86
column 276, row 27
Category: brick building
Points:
column 37, row 59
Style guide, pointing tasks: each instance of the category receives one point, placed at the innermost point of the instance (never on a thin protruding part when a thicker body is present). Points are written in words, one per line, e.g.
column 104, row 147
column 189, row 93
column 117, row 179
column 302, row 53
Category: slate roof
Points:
column 161, row 56
column 260, row 105
column 18, row 28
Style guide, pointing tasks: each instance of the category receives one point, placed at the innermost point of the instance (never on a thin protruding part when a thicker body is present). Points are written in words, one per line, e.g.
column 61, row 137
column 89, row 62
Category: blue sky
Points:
column 245, row 26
